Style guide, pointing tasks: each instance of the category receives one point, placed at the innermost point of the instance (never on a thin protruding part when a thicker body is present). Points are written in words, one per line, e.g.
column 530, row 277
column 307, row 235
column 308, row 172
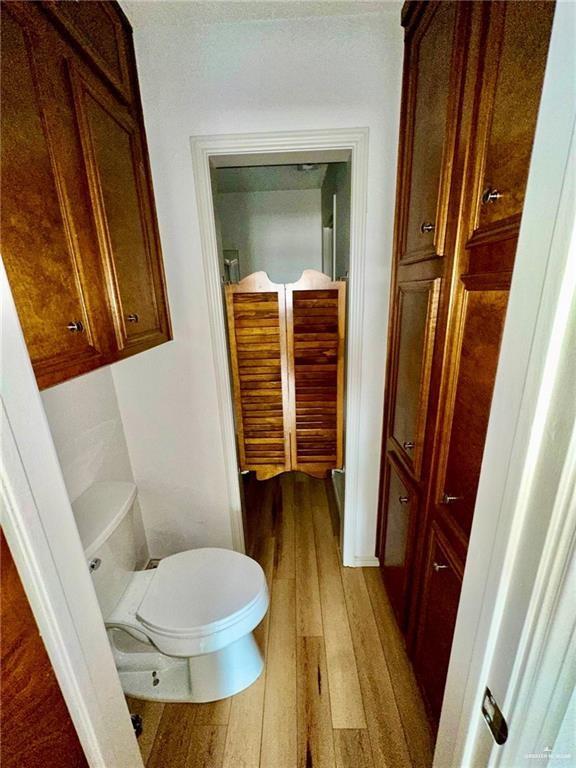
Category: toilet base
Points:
column 148, row 674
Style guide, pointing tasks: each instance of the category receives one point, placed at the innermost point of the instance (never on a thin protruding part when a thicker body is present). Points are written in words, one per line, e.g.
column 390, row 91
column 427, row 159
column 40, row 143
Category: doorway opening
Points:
column 283, row 255
column 243, row 191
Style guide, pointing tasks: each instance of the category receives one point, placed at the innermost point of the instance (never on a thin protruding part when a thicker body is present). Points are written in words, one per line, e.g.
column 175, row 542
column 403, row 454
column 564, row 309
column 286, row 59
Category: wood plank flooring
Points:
column 338, row 690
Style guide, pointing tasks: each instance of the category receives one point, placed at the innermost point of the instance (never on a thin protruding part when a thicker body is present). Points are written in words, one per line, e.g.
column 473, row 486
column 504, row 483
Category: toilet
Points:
column 182, row 631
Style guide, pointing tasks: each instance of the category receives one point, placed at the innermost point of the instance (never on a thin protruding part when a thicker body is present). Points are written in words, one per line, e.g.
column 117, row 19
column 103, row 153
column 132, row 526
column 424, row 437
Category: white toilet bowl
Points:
column 182, row 631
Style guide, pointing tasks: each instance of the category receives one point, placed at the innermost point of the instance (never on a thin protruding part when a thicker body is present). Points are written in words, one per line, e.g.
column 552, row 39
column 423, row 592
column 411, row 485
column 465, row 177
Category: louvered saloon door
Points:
column 315, row 324
column 257, row 338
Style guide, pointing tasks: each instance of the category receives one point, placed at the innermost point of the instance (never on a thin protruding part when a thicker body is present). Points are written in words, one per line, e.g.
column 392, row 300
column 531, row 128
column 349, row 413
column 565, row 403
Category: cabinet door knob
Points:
column 447, row 498
column 491, row 195
column 427, row 226
column 439, row 567
column 133, row 318
column 408, row 445
column 403, row 499
column 75, row 326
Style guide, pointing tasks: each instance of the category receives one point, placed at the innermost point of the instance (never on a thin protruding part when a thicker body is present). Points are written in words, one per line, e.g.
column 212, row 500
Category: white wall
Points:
column 237, row 78
column 279, row 232
column 89, row 438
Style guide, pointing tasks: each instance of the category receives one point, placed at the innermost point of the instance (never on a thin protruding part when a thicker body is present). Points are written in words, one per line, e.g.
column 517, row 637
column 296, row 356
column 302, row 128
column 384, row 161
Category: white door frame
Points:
column 524, row 522
column 294, row 147
column 41, row 532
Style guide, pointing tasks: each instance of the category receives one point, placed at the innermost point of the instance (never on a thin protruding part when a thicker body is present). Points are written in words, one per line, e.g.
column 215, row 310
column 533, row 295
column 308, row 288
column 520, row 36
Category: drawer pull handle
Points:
column 403, row 499
column 447, row 498
column 133, row 318
column 75, row 326
column 491, row 195
column 408, row 445
column 427, row 226
column 439, row 567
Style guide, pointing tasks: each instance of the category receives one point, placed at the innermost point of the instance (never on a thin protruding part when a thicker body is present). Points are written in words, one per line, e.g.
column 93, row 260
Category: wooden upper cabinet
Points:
column 518, row 37
column 122, row 204
column 417, row 305
column 56, row 283
column 79, row 233
column 100, row 32
column 427, row 127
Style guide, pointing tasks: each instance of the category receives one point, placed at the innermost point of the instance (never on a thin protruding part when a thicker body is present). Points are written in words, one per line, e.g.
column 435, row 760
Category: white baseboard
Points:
column 365, row 561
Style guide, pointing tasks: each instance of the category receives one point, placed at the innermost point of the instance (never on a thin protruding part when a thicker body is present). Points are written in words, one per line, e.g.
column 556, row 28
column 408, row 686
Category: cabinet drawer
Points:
column 417, row 306
column 397, row 542
column 437, row 619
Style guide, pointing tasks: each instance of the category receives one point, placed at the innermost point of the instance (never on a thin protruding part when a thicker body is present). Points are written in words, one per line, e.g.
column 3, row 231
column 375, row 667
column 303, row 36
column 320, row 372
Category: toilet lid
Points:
column 201, row 591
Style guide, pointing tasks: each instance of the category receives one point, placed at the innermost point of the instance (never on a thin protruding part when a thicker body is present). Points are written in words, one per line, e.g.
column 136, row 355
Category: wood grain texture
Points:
column 54, row 230
column 151, row 714
column 285, row 560
column 315, row 325
column 385, row 726
column 408, row 697
column 279, row 733
column 37, row 731
column 315, row 738
column 353, row 749
column 206, row 747
column 173, row 736
column 345, row 694
column 308, row 610
column 257, row 339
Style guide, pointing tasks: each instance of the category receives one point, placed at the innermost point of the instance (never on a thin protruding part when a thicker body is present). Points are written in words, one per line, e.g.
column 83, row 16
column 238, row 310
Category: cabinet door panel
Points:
column 417, row 307
column 430, row 61
column 438, row 611
column 123, row 213
column 97, row 27
column 519, row 35
column 38, row 238
column 482, row 323
column 397, row 544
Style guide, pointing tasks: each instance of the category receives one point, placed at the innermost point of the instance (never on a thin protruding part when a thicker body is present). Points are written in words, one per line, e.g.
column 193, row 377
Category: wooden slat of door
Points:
column 315, row 319
column 257, row 334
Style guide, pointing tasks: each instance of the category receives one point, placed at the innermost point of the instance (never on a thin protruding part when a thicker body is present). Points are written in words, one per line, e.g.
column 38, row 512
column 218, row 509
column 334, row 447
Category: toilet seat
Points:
column 195, row 602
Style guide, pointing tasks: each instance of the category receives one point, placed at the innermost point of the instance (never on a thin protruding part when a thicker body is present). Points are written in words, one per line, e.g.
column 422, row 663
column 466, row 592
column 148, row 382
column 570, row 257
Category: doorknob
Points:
column 403, row 499
column 75, row 326
column 408, row 445
column 427, row 226
column 491, row 195
column 132, row 318
column 439, row 567
column 447, row 498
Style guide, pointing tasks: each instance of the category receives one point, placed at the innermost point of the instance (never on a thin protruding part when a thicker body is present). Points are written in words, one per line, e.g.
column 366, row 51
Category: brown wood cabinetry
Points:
column 464, row 158
column 79, row 234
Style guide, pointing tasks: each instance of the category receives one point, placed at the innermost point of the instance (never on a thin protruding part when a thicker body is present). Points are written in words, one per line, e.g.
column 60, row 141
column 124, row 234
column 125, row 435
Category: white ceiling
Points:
column 142, row 12
column 268, row 178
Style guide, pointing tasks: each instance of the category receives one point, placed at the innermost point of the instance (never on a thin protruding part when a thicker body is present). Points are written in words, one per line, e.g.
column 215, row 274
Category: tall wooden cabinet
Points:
column 79, row 234
column 473, row 75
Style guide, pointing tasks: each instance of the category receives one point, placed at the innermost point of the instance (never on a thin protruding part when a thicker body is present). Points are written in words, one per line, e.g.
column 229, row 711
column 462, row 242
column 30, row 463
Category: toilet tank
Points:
column 105, row 516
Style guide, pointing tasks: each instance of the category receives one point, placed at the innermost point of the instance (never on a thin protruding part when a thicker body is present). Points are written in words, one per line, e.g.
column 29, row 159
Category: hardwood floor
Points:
column 337, row 691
